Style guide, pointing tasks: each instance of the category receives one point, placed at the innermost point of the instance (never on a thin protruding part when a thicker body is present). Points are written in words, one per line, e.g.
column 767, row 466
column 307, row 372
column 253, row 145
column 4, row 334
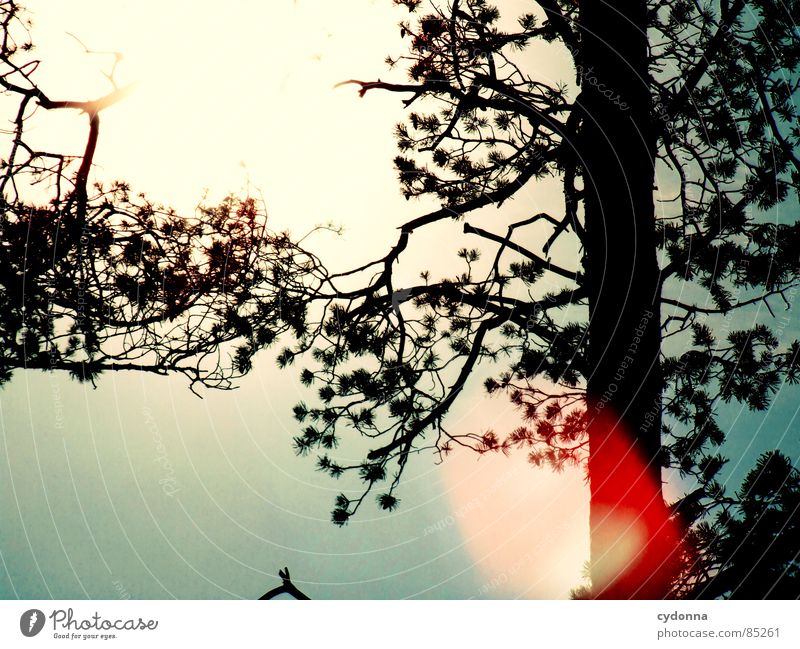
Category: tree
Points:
column 693, row 100
column 99, row 278
column 618, row 368
column 749, row 549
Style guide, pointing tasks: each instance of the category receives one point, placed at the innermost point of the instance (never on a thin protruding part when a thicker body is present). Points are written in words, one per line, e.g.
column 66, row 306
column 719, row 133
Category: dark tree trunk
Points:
column 630, row 537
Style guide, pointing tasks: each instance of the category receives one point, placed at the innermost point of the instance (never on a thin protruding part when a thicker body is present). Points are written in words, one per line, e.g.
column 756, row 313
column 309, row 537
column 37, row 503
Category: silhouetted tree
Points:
column 97, row 278
column 749, row 550
column 606, row 321
column 674, row 138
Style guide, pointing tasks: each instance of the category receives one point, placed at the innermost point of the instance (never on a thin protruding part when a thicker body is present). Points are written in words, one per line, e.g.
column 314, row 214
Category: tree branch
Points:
column 539, row 262
column 443, row 406
column 287, row 588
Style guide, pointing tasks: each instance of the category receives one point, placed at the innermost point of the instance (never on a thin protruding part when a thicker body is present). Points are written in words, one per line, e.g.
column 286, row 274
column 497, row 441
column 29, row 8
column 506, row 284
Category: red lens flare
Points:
column 634, row 539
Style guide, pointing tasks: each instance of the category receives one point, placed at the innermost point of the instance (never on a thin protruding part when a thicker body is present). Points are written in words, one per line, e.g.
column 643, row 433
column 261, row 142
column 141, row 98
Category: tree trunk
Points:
column 631, row 540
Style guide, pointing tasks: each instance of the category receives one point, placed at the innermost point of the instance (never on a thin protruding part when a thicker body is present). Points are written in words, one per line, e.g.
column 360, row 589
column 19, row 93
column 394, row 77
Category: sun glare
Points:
column 230, row 98
column 525, row 527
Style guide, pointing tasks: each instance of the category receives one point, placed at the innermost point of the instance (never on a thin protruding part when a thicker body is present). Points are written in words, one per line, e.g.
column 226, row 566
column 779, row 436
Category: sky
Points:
column 138, row 488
